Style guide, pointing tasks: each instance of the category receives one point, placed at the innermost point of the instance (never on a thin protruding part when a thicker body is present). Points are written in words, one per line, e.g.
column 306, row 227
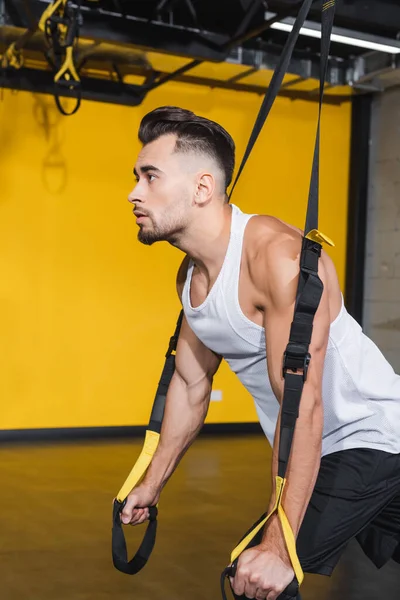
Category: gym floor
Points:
column 55, row 538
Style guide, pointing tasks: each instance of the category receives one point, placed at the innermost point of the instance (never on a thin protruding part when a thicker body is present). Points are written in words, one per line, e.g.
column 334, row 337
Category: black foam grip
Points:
column 118, row 543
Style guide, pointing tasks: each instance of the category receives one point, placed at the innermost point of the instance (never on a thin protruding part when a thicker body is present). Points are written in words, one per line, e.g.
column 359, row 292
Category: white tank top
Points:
column 360, row 390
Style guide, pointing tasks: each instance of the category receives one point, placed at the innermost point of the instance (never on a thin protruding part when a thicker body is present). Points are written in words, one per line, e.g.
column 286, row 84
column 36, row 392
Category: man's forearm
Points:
column 301, row 473
column 185, row 411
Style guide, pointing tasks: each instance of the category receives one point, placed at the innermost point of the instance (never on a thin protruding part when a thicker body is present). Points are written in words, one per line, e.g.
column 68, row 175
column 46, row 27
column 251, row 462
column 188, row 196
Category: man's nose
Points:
column 134, row 197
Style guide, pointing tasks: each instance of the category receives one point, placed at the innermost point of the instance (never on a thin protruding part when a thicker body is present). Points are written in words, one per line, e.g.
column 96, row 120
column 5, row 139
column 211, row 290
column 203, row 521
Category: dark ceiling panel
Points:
column 213, row 30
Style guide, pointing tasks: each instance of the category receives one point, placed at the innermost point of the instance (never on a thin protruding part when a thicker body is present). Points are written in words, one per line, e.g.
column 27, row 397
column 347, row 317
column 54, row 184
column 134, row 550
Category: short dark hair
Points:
column 193, row 133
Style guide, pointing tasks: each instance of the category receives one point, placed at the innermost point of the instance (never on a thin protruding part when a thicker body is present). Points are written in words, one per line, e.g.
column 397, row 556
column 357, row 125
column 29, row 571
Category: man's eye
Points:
column 151, row 177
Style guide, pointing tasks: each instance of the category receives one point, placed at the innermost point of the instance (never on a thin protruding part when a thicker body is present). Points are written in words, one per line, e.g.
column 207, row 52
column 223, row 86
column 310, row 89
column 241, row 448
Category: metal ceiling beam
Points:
column 374, row 71
column 99, row 26
column 103, row 90
column 243, row 87
column 188, row 42
column 117, row 28
column 254, row 59
column 307, row 68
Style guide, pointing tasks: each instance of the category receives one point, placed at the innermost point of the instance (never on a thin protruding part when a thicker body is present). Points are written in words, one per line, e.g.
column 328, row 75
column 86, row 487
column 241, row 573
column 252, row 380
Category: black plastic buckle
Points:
column 172, row 346
column 304, row 366
column 310, row 255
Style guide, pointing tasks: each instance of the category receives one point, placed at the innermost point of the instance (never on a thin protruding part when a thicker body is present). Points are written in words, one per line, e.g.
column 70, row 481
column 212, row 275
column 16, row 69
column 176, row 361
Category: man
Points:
column 237, row 284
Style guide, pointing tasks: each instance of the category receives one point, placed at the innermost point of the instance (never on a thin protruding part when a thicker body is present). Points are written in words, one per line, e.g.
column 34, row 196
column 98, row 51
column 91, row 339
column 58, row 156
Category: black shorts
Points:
column 356, row 495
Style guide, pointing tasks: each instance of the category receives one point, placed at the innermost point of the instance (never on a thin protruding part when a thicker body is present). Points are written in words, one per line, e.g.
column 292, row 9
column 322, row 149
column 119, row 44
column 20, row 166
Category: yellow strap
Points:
column 68, row 67
column 141, row 465
column 287, row 532
column 290, row 545
column 50, row 10
column 319, row 237
column 12, row 58
column 245, row 541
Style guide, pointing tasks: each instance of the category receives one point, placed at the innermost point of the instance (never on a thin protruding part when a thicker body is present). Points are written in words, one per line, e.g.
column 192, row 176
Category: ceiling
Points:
column 151, row 41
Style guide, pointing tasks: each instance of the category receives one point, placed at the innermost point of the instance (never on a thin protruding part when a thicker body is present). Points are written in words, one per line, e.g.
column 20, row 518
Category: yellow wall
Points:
column 86, row 311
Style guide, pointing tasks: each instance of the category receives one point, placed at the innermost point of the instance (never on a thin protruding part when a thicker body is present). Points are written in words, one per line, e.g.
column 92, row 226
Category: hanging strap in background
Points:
column 60, row 24
column 119, row 549
column 308, row 296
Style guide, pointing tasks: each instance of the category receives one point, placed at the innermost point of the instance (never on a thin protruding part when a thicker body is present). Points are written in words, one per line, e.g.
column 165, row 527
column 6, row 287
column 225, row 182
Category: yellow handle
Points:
column 68, row 67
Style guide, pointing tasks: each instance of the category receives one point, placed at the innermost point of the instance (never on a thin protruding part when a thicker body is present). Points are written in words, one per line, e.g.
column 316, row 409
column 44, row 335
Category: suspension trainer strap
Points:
column 294, row 354
column 309, row 291
column 273, row 88
column 310, row 288
column 119, row 548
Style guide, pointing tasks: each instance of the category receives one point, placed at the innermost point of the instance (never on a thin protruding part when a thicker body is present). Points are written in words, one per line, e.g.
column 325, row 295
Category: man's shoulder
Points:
column 272, row 251
column 267, row 236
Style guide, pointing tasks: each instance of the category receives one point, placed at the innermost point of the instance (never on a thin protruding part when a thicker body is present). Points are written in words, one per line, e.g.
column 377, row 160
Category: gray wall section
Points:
column 382, row 269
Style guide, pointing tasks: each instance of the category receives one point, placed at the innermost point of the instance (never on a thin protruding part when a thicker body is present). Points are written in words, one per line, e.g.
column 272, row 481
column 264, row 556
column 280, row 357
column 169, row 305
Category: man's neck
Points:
column 207, row 241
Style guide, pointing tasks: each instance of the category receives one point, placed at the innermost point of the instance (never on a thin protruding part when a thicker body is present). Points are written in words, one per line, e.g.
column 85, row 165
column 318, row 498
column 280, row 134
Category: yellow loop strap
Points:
column 67, row 70
column 287, row 532
column 319, row 237
column 50, row 10
column 141, row 465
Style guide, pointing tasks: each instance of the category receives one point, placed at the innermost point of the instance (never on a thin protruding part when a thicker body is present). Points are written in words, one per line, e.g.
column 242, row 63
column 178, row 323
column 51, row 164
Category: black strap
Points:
column 310, row 287
column 274, row 86
column 118, row 542
column 327, row 15
column 60, row 106
column 157, row 412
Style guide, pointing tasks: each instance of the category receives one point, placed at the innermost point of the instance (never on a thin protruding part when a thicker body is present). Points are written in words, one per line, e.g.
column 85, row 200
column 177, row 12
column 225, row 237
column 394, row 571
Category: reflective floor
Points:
column 55, row 524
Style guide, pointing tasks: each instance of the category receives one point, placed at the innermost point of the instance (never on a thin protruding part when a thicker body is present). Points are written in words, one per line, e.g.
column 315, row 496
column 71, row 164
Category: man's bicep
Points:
column 194, row 362
column 277, row 322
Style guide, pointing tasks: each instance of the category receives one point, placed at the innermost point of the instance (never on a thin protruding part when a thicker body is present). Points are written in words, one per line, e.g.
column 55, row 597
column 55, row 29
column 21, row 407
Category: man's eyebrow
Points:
column 146, row 169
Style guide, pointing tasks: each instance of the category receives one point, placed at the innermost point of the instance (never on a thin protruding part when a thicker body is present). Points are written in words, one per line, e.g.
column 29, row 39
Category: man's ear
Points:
column 205, row 188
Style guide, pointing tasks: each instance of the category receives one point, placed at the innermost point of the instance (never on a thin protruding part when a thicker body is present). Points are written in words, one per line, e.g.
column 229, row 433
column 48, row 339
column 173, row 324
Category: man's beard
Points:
column 169, row 231
column 149, row 236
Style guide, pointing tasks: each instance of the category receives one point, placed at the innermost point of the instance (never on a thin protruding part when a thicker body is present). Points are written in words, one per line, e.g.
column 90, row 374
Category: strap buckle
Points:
column 172, row 345
column 293, row 361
